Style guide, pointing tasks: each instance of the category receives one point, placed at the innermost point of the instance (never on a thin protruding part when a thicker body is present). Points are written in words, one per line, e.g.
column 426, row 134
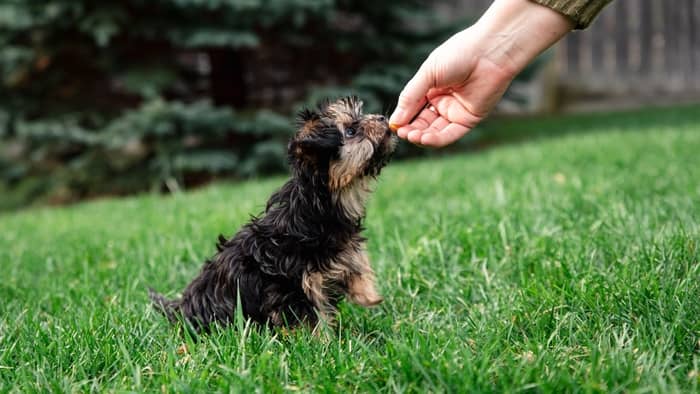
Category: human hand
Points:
column 463, row 79
column 459, row 85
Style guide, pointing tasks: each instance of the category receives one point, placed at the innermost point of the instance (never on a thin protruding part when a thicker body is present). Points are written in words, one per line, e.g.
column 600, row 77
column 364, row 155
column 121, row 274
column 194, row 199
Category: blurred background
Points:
column 119, row 97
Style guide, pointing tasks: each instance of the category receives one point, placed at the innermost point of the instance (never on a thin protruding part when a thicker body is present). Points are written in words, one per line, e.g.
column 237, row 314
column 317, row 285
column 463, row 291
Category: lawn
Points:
column 565, row 262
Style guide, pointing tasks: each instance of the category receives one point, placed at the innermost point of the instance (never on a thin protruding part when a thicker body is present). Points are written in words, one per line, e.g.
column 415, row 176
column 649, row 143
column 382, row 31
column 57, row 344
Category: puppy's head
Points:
column 339, row 142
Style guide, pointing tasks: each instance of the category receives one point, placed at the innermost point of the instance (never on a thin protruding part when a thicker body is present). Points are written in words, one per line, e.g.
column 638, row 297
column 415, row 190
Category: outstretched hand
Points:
column 463, row 79
column 453, row 90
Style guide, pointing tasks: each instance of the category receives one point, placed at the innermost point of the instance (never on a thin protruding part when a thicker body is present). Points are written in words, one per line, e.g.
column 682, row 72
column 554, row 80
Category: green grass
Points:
column 567, row 263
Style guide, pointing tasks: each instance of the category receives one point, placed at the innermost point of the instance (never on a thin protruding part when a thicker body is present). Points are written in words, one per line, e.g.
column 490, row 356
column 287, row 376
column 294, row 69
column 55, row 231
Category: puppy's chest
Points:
column 353, row 198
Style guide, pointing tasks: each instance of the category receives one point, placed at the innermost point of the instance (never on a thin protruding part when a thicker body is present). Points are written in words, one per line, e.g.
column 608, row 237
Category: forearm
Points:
column 517, row 31
column 465, row 76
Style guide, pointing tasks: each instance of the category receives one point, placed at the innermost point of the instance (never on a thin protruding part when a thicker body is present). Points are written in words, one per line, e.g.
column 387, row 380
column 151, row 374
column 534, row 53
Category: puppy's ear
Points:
column 306, row 117
column 317, row 145
column 314, row 141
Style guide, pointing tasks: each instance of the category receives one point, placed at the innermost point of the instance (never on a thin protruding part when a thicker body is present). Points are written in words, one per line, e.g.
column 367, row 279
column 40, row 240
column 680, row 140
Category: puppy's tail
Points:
column 169, row 308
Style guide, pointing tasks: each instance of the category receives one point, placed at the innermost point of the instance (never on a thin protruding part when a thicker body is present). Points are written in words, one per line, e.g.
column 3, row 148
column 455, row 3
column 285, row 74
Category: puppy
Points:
column 293, row 264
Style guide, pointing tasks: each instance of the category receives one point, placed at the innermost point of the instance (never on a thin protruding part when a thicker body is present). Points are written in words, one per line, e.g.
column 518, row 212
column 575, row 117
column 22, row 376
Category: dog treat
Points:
column 295, row 262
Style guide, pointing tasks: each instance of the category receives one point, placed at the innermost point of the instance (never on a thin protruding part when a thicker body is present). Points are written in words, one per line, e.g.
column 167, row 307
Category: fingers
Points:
column 452, row 108
column 439, row 133
column 438, row 125
column 411, row 99
column 422, row 121
column 445, row 136
column 416, row 136
column 446, row 120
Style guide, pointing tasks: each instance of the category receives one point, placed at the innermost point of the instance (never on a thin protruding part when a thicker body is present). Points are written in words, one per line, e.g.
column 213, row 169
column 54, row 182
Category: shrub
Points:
column 123, row 96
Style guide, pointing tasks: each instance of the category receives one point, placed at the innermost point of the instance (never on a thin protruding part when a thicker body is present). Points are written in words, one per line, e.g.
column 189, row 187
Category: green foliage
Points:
column 569, row 264
column 116, row 97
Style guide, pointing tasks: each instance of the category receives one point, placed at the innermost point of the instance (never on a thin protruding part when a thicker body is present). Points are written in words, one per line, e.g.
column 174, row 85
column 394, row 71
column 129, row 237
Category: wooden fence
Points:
column 644, row 47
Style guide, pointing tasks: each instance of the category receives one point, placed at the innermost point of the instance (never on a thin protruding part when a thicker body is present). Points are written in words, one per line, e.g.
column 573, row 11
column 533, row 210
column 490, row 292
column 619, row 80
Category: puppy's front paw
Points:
column 365, row 300
column 362, row 291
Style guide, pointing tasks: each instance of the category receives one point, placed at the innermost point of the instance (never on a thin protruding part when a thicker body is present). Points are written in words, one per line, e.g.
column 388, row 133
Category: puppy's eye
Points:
column 350, row 132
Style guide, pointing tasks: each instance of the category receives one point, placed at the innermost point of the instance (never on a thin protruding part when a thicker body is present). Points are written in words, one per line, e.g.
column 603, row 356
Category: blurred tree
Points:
column 120, row 96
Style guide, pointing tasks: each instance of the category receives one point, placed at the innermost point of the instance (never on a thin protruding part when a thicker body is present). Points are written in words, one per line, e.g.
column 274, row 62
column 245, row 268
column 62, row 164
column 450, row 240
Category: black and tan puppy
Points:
column 295, row 262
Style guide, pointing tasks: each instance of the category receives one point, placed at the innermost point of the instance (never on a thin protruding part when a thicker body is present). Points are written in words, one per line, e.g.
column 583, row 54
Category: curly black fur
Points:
column 304, row 229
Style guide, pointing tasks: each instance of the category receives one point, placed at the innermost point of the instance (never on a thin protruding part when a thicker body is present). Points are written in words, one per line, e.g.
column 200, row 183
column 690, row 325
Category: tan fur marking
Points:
column 276, row 318
column 343, row 118
column 359, row 276
column 353, row 157
column 308, row 128
column 352, row 267
column 353, row 198
column 346, row 110
column 374, row 128
column 363, row 291
column 312, row 283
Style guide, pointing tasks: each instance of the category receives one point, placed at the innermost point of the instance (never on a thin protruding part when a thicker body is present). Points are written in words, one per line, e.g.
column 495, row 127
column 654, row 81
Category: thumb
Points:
column 412, row 98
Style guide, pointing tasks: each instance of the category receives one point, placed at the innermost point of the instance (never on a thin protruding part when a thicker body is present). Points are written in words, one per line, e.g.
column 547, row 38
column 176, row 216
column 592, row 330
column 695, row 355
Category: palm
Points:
column 454, row 109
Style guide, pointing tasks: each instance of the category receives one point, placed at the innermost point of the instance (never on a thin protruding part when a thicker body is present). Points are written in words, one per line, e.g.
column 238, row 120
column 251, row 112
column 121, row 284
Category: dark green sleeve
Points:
column 582, row 12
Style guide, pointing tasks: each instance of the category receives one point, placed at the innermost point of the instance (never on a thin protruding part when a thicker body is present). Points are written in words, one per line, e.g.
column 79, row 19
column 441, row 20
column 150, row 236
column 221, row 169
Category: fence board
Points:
column 622, row 52
column 696, row 40
column 671, row 44
column 573, row 51
column 656, row 48
column 597, row 43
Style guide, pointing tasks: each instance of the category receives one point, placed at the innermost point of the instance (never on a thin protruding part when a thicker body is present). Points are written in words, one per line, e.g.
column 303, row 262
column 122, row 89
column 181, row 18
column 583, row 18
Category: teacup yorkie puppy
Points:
column 293, row 264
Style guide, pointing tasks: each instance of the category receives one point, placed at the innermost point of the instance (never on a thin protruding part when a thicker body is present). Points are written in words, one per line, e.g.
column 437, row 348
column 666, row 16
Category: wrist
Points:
column 513, row 32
